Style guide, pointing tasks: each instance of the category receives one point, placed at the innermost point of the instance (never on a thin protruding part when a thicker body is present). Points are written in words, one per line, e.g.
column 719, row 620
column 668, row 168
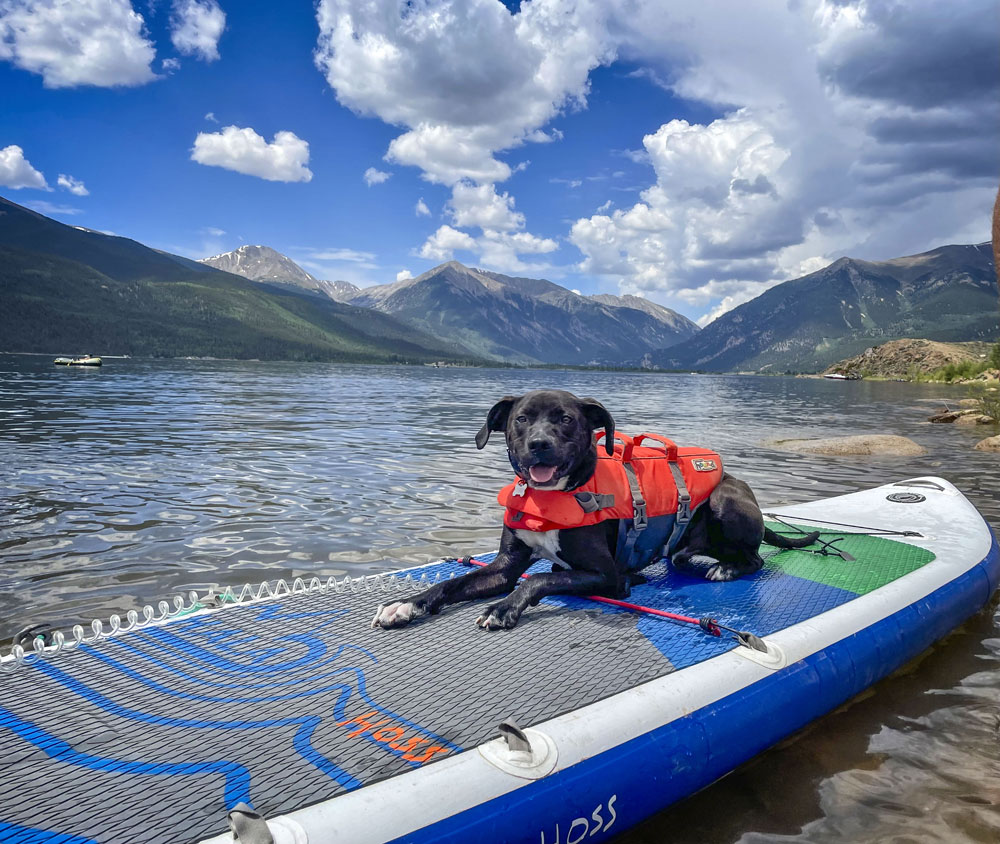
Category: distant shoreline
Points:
column 440, row 365
column 500, row 365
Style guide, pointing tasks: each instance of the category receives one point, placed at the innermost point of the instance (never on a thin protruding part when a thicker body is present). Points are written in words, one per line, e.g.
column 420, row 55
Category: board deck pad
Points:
column 152, row 735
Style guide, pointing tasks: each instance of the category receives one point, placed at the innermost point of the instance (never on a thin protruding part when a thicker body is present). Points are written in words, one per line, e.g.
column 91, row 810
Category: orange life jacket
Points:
column 650, row 489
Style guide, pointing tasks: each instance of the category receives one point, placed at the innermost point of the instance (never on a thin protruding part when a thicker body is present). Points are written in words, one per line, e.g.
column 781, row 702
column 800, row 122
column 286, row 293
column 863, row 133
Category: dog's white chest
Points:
column 544, row 543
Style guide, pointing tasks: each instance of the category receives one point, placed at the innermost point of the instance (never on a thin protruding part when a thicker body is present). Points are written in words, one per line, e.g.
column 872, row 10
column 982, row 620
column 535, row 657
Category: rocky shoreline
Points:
column 973, row 412
column 976, row 412
column 913, row 360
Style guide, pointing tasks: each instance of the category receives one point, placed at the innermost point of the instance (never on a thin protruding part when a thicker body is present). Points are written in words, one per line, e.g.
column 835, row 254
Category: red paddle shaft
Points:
column 709, row 625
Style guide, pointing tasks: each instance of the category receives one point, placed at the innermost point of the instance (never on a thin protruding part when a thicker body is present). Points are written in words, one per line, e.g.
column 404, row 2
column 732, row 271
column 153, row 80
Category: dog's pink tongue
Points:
column 542, row 474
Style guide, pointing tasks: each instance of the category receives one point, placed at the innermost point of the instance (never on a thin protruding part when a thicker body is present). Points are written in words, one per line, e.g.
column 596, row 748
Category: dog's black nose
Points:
column 540, row 445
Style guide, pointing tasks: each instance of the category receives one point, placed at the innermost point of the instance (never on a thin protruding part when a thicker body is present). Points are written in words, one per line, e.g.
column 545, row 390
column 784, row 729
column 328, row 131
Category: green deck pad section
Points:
column 879, row 560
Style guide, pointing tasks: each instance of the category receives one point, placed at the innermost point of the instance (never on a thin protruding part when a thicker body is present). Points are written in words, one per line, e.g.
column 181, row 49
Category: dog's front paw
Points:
column 501, row 616
column 397, row 614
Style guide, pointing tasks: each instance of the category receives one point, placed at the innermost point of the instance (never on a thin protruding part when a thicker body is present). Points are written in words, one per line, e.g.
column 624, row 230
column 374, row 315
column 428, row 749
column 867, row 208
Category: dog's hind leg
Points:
column 729, row 567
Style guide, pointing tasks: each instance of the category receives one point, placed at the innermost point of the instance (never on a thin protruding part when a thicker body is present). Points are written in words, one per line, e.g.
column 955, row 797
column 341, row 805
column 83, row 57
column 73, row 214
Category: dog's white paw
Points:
column 703, row 560
column 489, row 621
column 498, row 617
column 721, row 572
column 396, row 614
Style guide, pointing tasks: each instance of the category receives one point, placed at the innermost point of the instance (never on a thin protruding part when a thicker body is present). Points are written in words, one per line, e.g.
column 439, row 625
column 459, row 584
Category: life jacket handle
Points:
column 627, row 443
column 666, row 442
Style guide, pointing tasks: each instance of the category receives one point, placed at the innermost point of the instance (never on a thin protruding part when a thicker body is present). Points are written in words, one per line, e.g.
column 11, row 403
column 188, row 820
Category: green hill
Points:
column 68, row 290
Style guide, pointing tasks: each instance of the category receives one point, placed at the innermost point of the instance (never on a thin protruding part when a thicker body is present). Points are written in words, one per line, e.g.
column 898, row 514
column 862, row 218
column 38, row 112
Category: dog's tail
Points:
column 780, row 541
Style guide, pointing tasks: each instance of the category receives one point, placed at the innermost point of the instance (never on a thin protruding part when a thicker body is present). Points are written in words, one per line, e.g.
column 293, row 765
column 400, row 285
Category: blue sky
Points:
column 692, row 153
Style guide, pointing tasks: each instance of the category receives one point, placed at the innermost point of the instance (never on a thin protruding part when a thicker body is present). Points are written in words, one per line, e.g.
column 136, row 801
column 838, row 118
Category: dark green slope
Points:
column 804, row 325
column 117, row 257
column 135, row 300
column 54, row 305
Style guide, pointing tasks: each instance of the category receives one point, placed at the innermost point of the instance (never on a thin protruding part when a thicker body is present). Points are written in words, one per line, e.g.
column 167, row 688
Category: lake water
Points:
column 123, row 485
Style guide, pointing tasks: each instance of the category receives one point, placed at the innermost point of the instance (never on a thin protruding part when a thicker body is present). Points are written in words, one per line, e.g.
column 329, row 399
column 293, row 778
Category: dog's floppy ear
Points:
column 496, row 419
column 598, row 417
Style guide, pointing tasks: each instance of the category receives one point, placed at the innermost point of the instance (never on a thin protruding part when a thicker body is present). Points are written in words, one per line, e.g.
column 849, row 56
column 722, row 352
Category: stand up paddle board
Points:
column 277, row 714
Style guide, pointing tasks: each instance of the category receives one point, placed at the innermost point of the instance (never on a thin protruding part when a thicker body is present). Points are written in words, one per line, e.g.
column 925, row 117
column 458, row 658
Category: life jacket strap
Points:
column 639, row 518
column 683, row 496
column 683, row 507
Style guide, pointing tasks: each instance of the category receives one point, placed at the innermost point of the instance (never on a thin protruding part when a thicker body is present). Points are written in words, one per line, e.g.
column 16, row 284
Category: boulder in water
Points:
column 989, row 444
column 861, row 444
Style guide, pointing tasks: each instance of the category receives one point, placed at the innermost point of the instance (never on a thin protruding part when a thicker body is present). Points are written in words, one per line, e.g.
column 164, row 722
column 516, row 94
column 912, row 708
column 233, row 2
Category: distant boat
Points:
column 84, row 360
column 840, row 376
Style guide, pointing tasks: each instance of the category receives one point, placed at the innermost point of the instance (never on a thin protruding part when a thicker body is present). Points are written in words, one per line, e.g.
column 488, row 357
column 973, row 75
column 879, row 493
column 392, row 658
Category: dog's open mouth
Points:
column 540, row 474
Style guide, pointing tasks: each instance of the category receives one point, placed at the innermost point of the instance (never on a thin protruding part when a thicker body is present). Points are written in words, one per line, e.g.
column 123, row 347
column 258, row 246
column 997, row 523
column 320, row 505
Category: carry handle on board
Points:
column 666, row 442
column 627, row 443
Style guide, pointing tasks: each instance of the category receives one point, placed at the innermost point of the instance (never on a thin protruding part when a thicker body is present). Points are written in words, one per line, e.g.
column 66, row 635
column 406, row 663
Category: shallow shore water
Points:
column 124, row 485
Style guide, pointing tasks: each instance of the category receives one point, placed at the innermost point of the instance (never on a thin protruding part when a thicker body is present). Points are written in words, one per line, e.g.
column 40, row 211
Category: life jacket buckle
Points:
column 639, row 519
column 591, row 502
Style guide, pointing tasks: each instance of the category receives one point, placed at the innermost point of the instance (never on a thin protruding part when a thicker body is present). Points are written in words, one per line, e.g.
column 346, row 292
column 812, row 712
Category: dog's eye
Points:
column 522, row 419
column 566, row 420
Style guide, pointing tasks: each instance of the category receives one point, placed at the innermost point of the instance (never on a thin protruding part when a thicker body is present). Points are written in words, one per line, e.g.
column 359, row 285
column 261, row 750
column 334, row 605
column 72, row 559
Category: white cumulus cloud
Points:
column 716, row 205
column 16, row 171
column 243, row 150
column 501, row 240
column 504, row 78
column 74, row 186
column 77, row 42
column 505, row 75
column 376, row 177
column 402, row 275
column 502, row 250
column 441, row 245
column 473, row 205
column 421, row 209
column 196, row 27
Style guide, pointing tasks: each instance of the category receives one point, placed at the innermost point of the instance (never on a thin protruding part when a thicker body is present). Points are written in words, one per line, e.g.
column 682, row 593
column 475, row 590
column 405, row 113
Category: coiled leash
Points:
column 709, row 625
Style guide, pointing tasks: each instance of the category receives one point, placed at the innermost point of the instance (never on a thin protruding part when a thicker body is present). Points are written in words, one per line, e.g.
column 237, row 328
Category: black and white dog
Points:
column 550, row 439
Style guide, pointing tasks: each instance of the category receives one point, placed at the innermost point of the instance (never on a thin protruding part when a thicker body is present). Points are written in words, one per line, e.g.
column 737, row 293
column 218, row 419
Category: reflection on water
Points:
column 125, row 484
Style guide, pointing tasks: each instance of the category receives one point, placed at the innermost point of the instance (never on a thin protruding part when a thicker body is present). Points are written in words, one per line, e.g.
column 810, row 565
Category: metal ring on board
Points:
column 906, row 497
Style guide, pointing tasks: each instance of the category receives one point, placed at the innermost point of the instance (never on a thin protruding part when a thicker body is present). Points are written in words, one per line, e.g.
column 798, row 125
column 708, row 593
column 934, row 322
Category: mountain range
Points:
column 526, row 320
column 808, row 323
column 70, row 289
column 494, row 316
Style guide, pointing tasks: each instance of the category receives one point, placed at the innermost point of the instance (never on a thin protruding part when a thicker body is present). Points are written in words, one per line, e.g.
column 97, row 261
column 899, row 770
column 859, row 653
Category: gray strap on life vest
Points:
column 639, row 519
column 683, row 506
column 591, row 502
column 248, row 826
